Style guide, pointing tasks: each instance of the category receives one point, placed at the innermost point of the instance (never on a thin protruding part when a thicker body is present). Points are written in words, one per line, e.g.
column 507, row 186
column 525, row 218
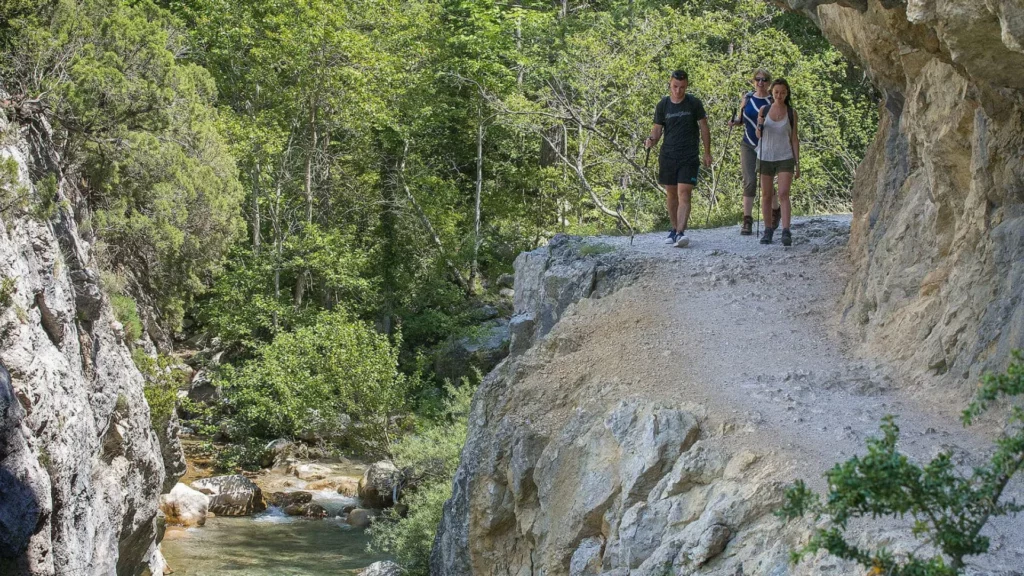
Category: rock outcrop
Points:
column 634, row 489
column 80, row 465
column 185, row 506
column 937, row 241
column 233, row 495
column 653, row 430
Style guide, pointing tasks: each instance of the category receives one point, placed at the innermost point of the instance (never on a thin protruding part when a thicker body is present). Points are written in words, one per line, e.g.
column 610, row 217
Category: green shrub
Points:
column 314, row 375
column 949, row 508
column 127, row 313
column 161, row 389
column 430, row 458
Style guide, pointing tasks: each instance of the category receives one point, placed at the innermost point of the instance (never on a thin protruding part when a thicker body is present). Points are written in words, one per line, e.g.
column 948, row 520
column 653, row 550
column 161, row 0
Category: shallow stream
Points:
column 272, row 544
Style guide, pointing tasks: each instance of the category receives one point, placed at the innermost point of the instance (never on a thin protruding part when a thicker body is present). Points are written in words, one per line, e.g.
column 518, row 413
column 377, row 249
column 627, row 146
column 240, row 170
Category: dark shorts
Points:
column 769, row 168
column 675, row 172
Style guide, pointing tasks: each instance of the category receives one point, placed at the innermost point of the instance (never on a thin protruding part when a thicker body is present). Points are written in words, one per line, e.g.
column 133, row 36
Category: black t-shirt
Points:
column 680, row 129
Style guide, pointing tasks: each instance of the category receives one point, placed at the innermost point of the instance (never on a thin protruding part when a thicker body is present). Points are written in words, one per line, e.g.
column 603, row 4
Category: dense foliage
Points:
column 323, row 191
column 429, row 458
column 949, row 508
column 135, row 138
column 320, row 381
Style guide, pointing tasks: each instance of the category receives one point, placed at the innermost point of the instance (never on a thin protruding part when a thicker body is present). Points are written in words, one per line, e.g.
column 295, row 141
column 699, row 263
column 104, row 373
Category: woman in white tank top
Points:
column 779, row 155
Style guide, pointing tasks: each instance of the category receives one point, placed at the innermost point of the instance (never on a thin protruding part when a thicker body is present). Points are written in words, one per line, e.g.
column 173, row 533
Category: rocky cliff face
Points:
column 937, row 242
column 80, row 466
column 656, row 402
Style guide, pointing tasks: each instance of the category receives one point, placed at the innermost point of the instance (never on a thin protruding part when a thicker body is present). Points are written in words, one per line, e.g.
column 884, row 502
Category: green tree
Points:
column 140, row 152
column 949, row 509
column 309, row 379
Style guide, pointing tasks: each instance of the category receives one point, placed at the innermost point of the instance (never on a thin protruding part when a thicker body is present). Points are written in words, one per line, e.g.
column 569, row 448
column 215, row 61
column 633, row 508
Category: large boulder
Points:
column 383, row 568
column 359, row 517
column 233, row 495
column 285, row 499
column 376, row 487
column 185, row 506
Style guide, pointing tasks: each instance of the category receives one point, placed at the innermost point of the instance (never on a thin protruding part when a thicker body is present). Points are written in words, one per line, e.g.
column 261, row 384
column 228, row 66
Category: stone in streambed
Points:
column 284, row 499
column 232, row 495
column 185, row 506
column 359, row 518
column 377, row 485
column 384, row 568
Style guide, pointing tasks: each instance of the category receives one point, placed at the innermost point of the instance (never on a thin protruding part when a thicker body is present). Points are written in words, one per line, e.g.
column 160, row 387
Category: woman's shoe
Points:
column 748, row 225
column 766, row 238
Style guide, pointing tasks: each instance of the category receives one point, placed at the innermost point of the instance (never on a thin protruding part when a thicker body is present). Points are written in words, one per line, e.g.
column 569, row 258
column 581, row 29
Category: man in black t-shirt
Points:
column 680, row 117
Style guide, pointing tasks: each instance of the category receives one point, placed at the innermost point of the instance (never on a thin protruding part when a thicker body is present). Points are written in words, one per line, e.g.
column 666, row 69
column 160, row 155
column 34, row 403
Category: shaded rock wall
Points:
column 80, row 466
column 937, row 242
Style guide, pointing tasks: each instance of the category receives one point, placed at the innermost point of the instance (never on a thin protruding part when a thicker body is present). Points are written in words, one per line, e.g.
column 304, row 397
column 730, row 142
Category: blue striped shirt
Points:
column 750, row 111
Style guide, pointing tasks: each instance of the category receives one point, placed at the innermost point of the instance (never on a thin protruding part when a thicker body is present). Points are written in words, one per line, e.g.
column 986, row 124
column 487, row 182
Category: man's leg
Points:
column 672, row 200
column 685, row 193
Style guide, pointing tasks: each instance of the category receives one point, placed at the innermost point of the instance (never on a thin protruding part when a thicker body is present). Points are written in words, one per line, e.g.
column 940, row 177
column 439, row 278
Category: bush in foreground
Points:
column 949, row 508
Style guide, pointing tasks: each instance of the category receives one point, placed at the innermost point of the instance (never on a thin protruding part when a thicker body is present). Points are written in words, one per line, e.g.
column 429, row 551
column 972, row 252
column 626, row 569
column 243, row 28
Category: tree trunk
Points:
column 474, row 269
column 300, row 280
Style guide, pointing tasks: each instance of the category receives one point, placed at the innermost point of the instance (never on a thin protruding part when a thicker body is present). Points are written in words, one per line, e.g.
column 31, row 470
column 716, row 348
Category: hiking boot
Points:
column 766, row 238
column 671, row 237
column 776, row 218
column 748, row 225
column 682, row 241
column 787, row 238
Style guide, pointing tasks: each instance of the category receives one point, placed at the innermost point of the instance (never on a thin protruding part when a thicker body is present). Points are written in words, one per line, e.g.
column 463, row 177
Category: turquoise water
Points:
column 271, row 544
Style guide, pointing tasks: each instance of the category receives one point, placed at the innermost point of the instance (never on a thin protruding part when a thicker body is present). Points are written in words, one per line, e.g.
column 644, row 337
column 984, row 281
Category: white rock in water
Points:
column 185, row 506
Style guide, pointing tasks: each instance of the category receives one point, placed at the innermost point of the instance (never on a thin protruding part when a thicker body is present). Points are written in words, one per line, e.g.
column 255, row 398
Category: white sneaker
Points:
column 682, row 241
column 671, row 238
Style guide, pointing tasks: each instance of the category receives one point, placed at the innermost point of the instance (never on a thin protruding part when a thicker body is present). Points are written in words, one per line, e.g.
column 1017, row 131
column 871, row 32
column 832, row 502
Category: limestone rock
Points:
column 384, row 568
column 376, row 487
column 936, row 249
column 348, row 486
column 233, row 495
column 284, row 499
column 202, row 388
column 185, row 506
column 81, row 469
column 551, row 278
column 307, row 510
column 359, row 517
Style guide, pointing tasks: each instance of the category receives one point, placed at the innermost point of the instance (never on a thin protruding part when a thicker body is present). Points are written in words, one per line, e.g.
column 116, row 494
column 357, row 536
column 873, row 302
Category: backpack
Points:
column 762, row 113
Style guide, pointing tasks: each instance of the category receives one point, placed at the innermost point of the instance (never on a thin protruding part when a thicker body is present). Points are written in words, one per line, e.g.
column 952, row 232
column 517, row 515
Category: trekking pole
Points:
column 757, row 174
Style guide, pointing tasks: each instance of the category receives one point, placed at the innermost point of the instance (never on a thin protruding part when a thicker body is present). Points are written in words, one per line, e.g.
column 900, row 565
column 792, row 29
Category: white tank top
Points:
column 775, row 142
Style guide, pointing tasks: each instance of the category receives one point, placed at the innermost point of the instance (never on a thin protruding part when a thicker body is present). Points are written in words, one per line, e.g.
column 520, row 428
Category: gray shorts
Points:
column 770, row 168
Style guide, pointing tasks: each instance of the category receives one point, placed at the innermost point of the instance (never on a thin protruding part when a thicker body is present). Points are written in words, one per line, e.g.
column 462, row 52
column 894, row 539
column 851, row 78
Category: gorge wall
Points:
column 586, row 462
column 80, row 465
column 937, row 241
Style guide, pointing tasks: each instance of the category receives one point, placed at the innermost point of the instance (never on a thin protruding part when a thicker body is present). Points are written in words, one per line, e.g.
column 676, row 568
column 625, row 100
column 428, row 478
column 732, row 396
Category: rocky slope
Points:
column 937, row 242
column 657, row 401
column 80, row 466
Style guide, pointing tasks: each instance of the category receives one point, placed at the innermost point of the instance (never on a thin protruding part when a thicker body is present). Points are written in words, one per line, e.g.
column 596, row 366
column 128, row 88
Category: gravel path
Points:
column 745, row 334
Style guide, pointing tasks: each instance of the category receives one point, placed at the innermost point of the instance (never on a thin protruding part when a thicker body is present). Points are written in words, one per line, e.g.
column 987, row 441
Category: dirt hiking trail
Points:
column 748, row 336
